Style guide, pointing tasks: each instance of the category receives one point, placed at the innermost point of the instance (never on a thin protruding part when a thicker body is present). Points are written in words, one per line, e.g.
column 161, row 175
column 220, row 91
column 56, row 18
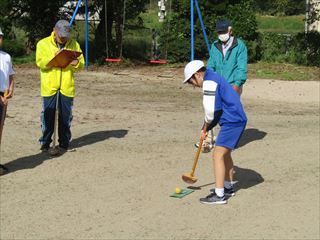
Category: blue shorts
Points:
column 229, row 135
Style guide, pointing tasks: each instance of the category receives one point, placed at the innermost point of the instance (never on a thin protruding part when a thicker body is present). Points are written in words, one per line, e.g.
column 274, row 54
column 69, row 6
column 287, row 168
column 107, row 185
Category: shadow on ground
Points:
column 250, row 135
column 245, row 178
column 94, row 137
column 33, row 161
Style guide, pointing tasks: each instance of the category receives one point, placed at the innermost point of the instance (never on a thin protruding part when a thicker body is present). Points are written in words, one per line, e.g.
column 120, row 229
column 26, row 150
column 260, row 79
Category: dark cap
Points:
column 63, row 28
column 223, row 25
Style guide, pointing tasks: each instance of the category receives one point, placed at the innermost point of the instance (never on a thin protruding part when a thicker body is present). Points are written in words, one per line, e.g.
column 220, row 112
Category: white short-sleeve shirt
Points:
column 6, row 70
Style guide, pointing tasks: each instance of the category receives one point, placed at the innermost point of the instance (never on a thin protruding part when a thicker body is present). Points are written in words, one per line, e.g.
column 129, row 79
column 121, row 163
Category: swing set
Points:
column 153, row 60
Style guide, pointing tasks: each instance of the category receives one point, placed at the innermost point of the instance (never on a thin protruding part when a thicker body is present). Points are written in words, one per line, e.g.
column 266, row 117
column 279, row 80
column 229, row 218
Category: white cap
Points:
column 191, row 68
column 1, row 33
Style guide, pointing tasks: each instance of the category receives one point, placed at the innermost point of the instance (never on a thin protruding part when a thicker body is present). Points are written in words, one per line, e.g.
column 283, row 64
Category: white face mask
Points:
column 224, row 37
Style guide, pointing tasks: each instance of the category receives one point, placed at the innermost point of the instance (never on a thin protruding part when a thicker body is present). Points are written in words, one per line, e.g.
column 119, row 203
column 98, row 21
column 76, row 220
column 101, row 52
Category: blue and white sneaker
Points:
column 213, row 199
column 229, row 192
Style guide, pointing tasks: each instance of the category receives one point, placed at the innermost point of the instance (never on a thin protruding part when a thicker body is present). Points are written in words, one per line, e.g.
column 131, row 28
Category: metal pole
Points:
column 202, row 26
column 87, row 36
column 192, row 28
column 75, row 13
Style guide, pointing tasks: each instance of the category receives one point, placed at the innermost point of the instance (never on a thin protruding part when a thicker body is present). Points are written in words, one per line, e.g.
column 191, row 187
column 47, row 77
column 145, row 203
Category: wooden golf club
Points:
column 189, row 177
column 54, row 150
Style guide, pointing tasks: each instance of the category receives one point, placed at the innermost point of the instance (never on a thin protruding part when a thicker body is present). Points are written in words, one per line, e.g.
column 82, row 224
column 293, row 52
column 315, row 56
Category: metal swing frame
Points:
column 86, row 29
column 192, row 4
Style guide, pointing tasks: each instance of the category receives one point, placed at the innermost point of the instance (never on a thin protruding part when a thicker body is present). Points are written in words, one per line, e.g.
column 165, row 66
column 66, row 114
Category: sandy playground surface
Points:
column 134, row 136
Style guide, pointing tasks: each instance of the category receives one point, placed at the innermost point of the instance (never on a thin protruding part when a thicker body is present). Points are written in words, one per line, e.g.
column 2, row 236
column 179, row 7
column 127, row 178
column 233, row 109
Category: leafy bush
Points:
column 254, row 50
column 299, row 48
column 306, row 47
column 30, row 58
column 274, row 46
column 14, row 48
column 280, row 7
column 137, row 48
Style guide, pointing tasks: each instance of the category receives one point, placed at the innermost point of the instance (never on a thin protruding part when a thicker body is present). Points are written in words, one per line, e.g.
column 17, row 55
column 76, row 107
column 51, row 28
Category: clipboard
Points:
column 63, row 58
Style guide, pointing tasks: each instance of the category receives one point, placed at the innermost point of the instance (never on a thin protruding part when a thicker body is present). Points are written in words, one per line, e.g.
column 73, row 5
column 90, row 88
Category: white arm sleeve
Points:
column 209, row 92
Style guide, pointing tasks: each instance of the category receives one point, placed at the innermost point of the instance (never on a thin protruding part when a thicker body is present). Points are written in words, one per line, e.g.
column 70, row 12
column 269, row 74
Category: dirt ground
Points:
column 134, row 137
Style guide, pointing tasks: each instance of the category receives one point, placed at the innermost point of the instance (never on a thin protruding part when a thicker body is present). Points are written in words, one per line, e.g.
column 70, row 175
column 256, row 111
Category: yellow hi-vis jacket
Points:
column 50, row 77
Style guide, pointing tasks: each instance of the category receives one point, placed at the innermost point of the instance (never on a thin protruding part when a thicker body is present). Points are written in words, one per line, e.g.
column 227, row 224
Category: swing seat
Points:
column 113, row 59
column 160, row 61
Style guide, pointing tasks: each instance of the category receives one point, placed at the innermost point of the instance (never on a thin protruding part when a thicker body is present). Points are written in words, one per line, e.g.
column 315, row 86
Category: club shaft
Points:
column 196, row 158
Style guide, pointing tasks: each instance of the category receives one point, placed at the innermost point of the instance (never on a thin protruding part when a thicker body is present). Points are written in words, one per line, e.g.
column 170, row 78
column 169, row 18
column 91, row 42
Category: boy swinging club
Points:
column 221, row 105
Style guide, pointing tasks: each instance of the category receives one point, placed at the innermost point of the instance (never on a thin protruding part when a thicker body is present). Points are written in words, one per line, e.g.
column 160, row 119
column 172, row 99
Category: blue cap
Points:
column 223, row 25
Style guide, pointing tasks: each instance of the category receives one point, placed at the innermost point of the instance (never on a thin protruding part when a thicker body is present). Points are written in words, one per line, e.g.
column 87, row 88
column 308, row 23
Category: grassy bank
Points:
column 24, row 59
column 281, row 24
column 283, row 71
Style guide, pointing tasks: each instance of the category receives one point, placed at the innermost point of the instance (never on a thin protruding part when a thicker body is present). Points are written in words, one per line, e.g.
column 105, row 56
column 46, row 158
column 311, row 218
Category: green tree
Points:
column 114, row 20
column 240, row 13
column 5, row 18
column 280, row 7
column 295, row 7
column 15, row 48
column 35, row 17
column 38, row 18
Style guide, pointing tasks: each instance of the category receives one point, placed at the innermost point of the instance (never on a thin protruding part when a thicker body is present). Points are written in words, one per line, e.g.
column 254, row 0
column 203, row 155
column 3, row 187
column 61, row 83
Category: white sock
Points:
column 227, row 184
column 219, row 192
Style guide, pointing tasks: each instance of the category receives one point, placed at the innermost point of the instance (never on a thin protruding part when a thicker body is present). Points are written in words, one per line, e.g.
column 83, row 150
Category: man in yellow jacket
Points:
column 54, row 80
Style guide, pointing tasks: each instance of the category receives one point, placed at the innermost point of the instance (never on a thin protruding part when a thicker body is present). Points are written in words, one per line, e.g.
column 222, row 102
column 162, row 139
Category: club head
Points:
column 188, row 178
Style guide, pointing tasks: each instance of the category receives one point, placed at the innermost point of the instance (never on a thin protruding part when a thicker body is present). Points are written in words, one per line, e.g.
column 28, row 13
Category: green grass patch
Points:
column 283, row 71
column 281, row 24
column 31, row 58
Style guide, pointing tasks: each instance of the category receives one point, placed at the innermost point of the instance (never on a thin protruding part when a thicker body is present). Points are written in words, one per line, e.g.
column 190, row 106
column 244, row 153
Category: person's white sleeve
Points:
column 209, row 93
column 11, row 71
